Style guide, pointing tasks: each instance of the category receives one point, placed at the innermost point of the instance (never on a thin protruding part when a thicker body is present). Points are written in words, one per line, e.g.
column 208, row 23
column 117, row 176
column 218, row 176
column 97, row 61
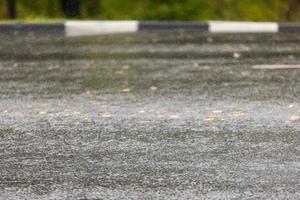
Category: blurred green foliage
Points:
column 255, row 10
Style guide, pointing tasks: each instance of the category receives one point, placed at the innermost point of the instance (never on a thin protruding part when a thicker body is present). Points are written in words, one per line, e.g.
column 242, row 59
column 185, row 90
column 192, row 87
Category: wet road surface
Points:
column 150, row 116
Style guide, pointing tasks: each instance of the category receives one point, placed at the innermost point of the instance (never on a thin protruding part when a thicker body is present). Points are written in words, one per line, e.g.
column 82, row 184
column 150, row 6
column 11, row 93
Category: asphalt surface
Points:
column 150, row 116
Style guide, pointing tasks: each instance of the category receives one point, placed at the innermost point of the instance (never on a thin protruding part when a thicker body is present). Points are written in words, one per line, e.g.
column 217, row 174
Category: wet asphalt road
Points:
column 149, row 116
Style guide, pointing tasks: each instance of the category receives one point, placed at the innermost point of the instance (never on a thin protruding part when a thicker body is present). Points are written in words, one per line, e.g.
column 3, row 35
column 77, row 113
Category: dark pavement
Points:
column 150, row 116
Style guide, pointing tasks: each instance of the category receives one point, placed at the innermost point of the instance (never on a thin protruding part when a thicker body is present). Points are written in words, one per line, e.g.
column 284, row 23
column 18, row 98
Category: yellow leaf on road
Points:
column 237, row 114
column 236, row 55
column 126, row 90
column 294, row 118
column 106, row 115
column 153, row 88
column 174, row 116
column 88, row 92
column 212, row 118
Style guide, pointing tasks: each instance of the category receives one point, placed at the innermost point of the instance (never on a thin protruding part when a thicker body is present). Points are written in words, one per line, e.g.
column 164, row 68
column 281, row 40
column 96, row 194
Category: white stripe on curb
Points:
column 82, row 28
column 276, row 67
column 243, row 27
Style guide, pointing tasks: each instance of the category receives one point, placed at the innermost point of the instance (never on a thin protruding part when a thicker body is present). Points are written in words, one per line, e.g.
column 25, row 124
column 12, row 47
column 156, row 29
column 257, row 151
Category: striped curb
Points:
column 84, row 28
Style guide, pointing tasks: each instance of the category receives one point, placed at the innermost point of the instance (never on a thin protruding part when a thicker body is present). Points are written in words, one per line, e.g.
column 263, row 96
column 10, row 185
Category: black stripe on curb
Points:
column 289, row 27
column 20, row 29
column 170, row 26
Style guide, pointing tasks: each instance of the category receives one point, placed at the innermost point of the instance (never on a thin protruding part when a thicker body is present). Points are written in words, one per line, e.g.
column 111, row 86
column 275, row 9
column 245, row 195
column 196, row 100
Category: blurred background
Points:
column 56, row 10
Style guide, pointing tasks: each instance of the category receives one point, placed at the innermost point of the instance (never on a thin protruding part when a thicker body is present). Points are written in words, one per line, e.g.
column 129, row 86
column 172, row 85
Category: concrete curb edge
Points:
column 82, row 28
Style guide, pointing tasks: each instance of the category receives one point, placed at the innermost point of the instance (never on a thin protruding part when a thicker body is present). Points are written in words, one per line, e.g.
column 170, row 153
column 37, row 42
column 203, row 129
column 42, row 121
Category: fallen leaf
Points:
column 106, row 115
column 54, row 67
column 217, row 111
column 237, row 114
column 236, row 55
column 153, row 88
column 212, row 118
column 294, row 118
column 245, row 73
column 205, row 68
column 87, row 92
column 126, row 90
column 174, row 116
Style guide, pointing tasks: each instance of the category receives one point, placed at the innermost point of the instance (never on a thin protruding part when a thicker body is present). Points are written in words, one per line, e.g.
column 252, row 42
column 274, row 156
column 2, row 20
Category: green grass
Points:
column 33, row 20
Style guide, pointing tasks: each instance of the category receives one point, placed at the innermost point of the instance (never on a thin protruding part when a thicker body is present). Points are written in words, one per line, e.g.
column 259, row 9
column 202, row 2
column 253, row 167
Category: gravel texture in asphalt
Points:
column 168, row 115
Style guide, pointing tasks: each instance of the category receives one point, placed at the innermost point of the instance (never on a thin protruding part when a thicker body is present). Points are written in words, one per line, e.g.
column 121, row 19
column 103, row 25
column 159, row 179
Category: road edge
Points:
column 84, row 28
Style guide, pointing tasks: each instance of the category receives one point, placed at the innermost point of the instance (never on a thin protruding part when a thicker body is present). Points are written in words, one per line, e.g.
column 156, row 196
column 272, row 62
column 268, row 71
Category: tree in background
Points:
column 91, row 9
column 244, row 10
column 41, row 9
column 11, row 8
column 176, row 9
column 293, row 10
column 71, row 8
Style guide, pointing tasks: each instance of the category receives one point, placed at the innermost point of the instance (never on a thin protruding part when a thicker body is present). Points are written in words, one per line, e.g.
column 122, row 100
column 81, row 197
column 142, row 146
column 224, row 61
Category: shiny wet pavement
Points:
column 150, row 116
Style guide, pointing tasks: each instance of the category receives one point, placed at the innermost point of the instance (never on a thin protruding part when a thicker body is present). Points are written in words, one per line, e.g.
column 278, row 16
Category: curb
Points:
column 25, row 29
column 84, row 28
